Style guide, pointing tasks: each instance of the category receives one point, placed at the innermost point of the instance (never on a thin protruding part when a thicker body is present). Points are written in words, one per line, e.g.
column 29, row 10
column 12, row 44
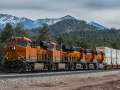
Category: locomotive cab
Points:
column 90, row 55
column 55, row 54
column 15, row 53
column 15, row 48
column 65, row 52
column 82, row 54
column 100, row 56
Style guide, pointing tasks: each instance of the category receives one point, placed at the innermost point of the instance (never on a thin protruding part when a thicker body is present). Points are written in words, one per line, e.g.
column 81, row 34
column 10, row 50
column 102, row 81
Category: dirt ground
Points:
column 109, row 82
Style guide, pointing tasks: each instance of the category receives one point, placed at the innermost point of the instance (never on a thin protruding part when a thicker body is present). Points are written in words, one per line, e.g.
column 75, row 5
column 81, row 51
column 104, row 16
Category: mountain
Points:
column 4, row 18
column 98, row 25
column 39, row 22
column 28, row 24
column 67, row 25
column 70, row 25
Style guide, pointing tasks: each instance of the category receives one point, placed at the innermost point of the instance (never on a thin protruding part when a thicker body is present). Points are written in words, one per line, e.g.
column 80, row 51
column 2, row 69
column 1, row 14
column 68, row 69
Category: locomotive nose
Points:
column 12, row 48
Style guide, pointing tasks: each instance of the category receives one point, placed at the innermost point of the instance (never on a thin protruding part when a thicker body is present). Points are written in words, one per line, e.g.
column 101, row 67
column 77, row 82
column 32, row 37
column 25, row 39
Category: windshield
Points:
column 50, row 47
column 11, row 43
column 88, row 51
column 22, row 43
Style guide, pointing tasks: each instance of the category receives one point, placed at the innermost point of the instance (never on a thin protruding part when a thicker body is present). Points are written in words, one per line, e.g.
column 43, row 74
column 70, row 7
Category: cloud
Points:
column 34, row 4
column 21, row 4
column 104, row 12
column 101, row 4
column 59, row 4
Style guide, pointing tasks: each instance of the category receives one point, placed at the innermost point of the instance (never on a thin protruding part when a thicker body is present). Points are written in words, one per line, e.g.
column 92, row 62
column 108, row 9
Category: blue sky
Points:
column 104, row 12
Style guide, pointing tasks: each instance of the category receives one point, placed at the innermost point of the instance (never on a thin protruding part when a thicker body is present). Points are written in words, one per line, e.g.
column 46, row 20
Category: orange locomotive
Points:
column 23, row 54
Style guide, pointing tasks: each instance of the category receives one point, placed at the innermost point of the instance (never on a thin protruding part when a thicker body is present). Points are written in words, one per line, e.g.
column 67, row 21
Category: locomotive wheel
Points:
column 29, row 69
column 94, row 66
column 55, row 67
column 70, row 66
column 82, row 66
column 74, row 66
column 49, row 67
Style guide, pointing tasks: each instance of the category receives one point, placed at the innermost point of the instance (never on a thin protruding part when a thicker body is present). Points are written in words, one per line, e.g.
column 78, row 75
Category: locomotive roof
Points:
column 20, row 37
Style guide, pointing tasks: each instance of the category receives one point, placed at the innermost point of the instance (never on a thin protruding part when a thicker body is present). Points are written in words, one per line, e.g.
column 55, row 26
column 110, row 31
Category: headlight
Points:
column 14, row 47
column 6, row 57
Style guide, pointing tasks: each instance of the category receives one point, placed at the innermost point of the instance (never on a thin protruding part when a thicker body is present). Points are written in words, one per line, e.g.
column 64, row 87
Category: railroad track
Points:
column 47, row 74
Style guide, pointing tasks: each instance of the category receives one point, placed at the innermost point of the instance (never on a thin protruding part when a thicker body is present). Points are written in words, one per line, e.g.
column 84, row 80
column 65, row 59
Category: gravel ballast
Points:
column 19, row 82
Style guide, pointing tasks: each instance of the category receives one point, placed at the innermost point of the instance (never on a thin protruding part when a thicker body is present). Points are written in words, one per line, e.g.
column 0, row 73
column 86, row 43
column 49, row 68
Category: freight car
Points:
column 23, row 54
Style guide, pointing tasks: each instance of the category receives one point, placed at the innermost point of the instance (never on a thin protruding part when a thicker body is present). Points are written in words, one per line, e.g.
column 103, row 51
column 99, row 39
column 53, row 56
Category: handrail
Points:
column 4, row 59
column 21, row 56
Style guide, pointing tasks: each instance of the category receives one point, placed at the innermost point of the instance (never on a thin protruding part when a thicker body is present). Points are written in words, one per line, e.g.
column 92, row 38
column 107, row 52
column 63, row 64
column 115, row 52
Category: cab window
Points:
column 89, row 51
column 11, row 43
column 22, row 43
column 50, row 47
column 30, row 45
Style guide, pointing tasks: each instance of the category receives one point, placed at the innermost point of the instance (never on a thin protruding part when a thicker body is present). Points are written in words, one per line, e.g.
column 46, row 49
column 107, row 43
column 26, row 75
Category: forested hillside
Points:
column 90, row 43
column 112, row 33
column 68, row 25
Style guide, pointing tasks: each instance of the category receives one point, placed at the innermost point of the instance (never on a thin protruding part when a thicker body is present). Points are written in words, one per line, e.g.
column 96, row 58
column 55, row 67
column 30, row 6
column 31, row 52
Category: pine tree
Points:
column 34, row 37
column 70, row 41
column 0, row 36
column 19, row 29
column 7, row 32
column 27, row 33
column 44, row 33
column 61, row 39
column 2, row 44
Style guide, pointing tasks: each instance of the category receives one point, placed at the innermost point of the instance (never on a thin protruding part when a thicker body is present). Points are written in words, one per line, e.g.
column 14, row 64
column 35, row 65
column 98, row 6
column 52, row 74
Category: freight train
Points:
column 23, row 54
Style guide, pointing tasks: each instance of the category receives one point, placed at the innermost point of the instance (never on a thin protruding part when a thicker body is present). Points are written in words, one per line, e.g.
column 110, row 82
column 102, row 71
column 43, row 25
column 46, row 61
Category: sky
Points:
column 104, row 12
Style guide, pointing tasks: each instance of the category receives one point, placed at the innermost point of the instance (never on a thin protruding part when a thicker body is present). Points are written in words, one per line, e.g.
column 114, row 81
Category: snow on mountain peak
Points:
column 97, row 25
column 29, row 24
column 22, row 19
